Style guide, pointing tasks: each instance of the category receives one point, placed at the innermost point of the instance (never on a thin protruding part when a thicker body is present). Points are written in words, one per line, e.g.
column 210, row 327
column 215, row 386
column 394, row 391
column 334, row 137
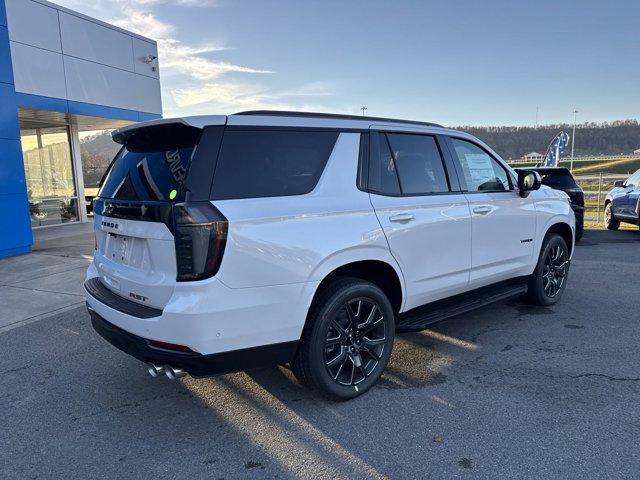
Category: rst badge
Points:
column 138, row 297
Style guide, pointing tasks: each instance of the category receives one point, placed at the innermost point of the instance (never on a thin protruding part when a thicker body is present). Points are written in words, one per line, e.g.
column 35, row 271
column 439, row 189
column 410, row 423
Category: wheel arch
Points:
column 564, row 230
column 381, row 273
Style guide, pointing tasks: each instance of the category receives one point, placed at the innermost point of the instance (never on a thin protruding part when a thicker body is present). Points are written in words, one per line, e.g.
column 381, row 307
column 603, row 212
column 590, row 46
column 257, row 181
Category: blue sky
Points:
column 458, row 62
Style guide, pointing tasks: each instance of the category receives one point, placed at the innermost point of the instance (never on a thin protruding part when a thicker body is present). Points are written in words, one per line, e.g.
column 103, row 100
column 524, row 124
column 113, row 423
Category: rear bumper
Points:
column 196, row 365
column 207, row 316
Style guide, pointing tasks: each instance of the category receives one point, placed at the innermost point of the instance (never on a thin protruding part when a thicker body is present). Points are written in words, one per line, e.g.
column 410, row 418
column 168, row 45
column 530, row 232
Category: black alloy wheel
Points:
column 554, row 272
column 549, row 279
column 347, row 339
column 355, row 341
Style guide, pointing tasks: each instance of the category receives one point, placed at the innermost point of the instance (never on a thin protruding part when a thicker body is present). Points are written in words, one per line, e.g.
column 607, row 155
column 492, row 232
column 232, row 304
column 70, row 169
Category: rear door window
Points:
column 419, row 164
column 270, row 163
column 383, row 178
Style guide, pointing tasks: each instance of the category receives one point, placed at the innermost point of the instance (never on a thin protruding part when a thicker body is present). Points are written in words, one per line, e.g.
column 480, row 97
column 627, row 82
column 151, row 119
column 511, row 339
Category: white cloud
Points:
column 188, row 60
column 227, row 97
column 176, row 57
column 144, row 23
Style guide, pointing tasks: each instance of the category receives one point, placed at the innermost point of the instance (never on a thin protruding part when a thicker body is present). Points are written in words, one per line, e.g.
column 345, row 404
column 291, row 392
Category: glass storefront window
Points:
column 49, row 174
column 97, row 150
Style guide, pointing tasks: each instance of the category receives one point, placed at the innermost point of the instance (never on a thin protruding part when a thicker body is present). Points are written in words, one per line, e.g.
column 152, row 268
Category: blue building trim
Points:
column 11, row 252
column 3, row 14
column 27, row 100
column 9, row 128
column 80, row 108
column 15, row 224
column 6, row 69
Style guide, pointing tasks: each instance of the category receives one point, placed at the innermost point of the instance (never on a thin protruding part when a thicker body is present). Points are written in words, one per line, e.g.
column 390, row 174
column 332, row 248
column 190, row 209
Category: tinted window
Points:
column 147, row 175
column 153, row 163
column 419, row 164
column 559, row 181
column 270, row 163
column 382, row 170
column 482, row 172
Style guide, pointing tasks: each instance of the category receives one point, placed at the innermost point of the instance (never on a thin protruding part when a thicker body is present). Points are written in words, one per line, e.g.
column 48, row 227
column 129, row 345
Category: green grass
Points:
column 593, row 225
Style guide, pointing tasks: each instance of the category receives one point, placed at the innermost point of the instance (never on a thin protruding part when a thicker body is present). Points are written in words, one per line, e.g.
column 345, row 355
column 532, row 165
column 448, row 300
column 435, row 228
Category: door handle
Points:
column 401, row 218
column 482, row 210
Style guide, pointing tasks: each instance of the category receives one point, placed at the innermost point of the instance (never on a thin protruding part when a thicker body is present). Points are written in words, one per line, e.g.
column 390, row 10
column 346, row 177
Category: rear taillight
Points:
column 200, row 232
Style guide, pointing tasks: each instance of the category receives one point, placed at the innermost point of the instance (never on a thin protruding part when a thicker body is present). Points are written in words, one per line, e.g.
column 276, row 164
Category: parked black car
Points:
column 560, row 178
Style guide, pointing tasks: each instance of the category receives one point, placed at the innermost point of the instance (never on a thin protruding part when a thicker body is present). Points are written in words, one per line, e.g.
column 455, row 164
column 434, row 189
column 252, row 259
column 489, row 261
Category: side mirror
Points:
column 618, row 183
column 528, row 180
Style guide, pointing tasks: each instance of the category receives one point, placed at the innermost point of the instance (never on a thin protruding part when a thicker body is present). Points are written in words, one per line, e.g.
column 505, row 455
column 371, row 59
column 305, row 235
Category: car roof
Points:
column 284, row 118
column 334, row 116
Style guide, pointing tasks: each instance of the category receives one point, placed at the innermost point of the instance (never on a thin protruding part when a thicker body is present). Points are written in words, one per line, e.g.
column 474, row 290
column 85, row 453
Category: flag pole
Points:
column 573, row 138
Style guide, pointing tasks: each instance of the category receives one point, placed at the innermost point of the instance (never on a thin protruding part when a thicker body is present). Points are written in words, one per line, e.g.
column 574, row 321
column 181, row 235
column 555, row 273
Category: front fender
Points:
column 551, row 210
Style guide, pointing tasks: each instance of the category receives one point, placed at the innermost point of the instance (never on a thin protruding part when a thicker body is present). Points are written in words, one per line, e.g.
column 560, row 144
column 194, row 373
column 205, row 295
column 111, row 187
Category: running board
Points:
column 422, row 317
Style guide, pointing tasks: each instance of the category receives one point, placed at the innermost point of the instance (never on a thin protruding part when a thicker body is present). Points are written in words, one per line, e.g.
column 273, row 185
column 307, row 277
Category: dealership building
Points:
column 65, row 78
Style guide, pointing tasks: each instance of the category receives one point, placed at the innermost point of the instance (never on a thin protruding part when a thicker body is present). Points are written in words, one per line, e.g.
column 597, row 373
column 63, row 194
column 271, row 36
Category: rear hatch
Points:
column 146, row 208
column 561, row 179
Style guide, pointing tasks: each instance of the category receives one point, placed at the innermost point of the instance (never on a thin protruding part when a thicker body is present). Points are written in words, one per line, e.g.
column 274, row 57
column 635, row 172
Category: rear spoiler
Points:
column 547, row 170
column 121, row 135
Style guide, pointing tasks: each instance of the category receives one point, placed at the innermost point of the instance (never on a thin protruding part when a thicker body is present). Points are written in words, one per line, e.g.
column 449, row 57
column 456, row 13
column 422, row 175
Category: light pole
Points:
column 363, row 108
column 573, row 137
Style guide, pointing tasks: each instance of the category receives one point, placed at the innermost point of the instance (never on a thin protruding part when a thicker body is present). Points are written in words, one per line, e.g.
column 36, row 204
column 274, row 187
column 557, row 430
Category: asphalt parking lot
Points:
column 507, row 391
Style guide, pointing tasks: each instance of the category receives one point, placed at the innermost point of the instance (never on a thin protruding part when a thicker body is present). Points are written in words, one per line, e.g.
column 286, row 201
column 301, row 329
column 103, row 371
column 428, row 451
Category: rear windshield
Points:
column 559, row 181
column 152, row 165
column 269, row 163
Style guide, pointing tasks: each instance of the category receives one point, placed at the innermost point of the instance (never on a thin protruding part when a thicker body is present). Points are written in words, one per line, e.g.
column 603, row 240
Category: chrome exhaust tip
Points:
column 174, row 373
column 155, row 370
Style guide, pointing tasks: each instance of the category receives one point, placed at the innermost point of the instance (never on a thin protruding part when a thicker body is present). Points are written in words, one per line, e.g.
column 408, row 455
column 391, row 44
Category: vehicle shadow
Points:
column 261, row 423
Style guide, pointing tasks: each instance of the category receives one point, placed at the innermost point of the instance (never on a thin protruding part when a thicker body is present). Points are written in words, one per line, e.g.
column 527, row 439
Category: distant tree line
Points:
column 608, row 138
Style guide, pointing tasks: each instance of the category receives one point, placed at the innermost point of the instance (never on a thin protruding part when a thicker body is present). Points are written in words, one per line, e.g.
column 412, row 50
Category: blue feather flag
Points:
column 556, row 150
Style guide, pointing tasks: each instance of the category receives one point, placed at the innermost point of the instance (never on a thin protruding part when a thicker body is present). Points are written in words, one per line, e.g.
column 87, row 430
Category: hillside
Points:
column 615, row 138
column 97, row 151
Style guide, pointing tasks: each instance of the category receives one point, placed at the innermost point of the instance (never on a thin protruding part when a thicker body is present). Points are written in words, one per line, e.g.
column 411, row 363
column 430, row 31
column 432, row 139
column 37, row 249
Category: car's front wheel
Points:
column 549, row 279
column 347, row 341
column 609, row 220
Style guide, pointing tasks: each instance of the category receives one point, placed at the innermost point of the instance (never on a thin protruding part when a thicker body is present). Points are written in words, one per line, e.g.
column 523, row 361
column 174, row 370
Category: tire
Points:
column 579, row 227
column 342, row 353
column 609, row 220
column 549, row 279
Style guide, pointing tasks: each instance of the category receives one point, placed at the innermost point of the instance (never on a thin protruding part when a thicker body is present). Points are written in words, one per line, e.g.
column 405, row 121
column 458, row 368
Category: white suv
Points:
column 230, row 242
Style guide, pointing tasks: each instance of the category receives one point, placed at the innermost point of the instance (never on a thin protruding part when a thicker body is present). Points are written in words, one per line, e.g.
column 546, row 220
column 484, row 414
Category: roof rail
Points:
column 283, row 113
